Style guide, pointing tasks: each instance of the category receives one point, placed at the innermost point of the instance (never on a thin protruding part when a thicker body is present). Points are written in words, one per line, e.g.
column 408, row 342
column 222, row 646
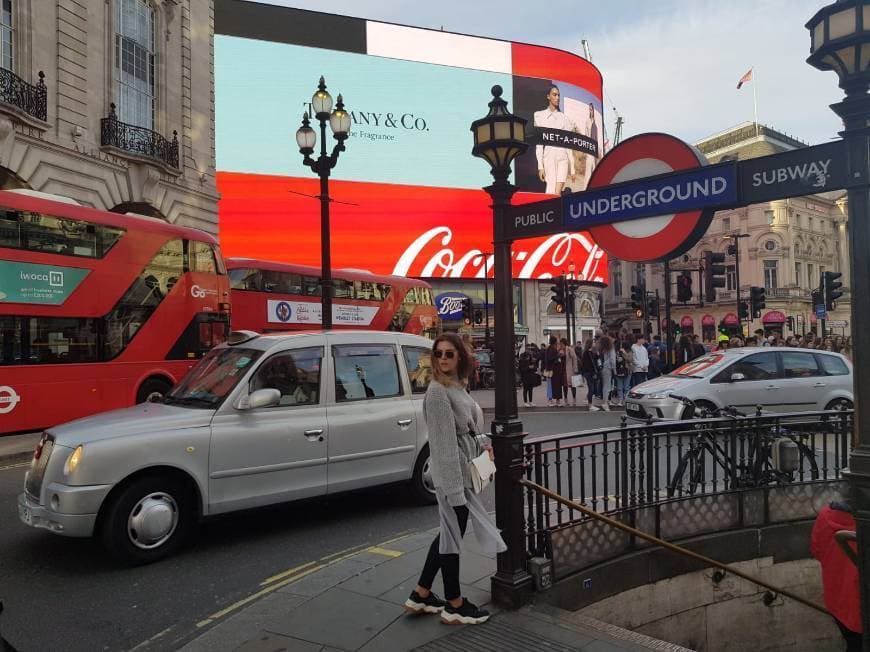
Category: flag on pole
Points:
column 746, row 78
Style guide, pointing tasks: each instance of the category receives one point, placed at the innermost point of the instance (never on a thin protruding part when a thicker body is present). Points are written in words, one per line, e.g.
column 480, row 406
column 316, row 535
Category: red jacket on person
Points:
column 839, row 574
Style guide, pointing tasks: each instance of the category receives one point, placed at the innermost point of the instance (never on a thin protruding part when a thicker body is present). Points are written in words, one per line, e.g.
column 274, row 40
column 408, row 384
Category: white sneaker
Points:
column 550, row 403
column 606, row 407
column 593, row 408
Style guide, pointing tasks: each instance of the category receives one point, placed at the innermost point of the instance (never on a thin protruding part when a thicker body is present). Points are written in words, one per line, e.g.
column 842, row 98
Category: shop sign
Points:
column 449, row 305
column 40, row 284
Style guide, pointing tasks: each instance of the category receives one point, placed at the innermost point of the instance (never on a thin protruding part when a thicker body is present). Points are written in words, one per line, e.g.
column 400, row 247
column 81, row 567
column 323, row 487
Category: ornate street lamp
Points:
column 499, row 139
column 840, row 41
column 339, row 123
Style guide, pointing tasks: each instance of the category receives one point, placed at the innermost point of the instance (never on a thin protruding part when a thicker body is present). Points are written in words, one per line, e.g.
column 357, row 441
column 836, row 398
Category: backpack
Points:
column 621, row 367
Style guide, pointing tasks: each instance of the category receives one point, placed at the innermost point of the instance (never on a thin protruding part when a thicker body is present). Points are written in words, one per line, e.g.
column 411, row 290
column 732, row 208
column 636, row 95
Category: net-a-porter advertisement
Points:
column 406, row 193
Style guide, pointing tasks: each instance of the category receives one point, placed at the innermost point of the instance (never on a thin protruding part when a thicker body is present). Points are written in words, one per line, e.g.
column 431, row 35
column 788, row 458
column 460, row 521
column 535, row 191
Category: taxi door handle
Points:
column 769, row 387
column 314, row 435
column 404, row 422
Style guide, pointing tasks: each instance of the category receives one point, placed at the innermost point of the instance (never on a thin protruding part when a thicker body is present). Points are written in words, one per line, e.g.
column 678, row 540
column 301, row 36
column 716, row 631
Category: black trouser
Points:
column 527, row 393
column 854, row 640
column 448, row 564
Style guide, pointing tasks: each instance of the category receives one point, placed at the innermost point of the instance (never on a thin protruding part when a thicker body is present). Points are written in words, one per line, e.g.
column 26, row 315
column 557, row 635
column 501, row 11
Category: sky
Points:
column 669, row 65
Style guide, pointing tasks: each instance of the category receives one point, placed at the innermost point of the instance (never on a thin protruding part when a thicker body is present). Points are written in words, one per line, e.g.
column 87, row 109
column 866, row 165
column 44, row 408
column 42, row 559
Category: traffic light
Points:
column 638, row 313
column 478, row 317
column 684, row 287
column 714, row 274
column 756, row 301
column 790, row 321
column 467, row 310
column 637, row 297
column 744, row 311
column 831, row 287
column 558, row 297
column 652, row 306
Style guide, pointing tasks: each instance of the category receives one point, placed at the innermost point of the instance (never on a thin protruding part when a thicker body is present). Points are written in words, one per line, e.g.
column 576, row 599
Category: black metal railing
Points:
column 32, row 99
column 629, row 469
column 138, row 140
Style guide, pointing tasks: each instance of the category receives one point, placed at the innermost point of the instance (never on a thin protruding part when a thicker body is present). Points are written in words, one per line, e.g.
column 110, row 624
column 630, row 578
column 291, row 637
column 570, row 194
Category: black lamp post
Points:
column 840, row 42
column 499, row 138
column 306, row 138
column 486, row 255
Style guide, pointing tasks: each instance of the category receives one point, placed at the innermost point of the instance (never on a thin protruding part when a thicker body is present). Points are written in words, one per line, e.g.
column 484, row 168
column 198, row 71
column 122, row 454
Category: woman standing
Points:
column 608, row 369
column 528, row 367
column 572, row 368
column 454, row 422
column 624, row 365
column 589, row 369
column 554, row 367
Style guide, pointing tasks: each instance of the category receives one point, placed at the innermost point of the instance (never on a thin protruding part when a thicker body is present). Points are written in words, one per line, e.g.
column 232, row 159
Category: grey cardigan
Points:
column 451, row 414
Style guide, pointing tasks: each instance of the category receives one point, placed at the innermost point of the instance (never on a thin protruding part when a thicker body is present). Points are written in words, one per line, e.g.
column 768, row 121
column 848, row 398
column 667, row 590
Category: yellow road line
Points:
column 258, row 594
column 290, row 571
column 344, row 554
column 384, row 551
column 20, row 465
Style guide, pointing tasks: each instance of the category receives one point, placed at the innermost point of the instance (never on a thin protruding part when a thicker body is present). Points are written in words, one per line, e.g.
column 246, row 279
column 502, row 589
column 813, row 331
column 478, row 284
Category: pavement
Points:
column 354, row 603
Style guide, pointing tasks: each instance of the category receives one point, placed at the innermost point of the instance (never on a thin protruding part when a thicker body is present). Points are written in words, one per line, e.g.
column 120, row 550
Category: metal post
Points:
column 511, row 586
column 669, row 333
column 486, row 298
column 855, row 111
column 325, row 249
column 568, row 302
column 736, row 242
column 659, row 313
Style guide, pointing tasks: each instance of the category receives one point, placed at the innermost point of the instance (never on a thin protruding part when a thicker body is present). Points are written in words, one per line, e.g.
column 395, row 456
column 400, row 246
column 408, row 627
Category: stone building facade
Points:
column 111, row 103
column 790, row 243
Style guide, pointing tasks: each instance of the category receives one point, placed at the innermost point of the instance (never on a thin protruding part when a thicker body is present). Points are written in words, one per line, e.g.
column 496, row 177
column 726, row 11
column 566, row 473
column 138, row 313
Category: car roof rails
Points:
column 240, row 337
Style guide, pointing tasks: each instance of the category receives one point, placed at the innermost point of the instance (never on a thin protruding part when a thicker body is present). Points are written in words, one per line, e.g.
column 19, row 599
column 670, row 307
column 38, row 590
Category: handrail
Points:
column 843, row 537
column 670, row 546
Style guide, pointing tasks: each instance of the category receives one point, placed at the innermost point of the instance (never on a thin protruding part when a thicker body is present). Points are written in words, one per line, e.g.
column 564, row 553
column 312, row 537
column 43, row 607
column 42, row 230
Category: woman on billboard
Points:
column 555, row 164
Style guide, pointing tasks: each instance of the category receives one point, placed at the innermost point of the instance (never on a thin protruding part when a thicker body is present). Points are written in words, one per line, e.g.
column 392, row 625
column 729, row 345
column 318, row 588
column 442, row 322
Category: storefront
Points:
column 730, row 325
column 708, row 328
column 774, row 322
column 687, row 325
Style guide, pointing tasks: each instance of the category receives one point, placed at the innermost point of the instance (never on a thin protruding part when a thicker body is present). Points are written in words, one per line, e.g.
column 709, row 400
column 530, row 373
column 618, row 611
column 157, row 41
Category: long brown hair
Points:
column 463, row 368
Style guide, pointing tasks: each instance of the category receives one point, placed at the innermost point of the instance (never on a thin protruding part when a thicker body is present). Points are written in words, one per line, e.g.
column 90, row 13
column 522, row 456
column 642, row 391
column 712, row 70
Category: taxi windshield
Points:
column 213, row 378
column 699, row 367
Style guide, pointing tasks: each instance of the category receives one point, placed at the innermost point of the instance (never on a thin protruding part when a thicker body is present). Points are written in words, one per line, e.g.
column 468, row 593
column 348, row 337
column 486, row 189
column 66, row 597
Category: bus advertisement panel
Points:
column 99, row 310
column 407, row 192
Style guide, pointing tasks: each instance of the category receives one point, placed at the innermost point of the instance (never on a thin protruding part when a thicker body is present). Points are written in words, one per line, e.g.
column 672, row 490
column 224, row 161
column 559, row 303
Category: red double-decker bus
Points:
column 270, row 297
column 99, row 310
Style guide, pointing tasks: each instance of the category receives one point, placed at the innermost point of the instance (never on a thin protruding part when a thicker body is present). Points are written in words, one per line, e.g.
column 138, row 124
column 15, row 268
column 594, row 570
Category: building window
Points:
column 730, row 277
column 822, row 225
column 797, row 274
column 726, row 223
column 616, row 280
column 770, row 274
column 769, row 245
column 771, row 217
column 6, row 34
column 810, row 280
column 134, row 62
column 809, row 223
column 640, row 274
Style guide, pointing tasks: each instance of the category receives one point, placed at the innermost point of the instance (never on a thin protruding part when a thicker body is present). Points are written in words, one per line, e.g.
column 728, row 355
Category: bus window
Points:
column 343, row 289
column 46, row 234
column 245, row 279
column 311, row 286
column 202, row 258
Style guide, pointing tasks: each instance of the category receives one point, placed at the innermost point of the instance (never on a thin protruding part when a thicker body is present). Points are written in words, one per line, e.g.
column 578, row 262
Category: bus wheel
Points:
column 421, row 482
column 153, row 388
column 149, row 519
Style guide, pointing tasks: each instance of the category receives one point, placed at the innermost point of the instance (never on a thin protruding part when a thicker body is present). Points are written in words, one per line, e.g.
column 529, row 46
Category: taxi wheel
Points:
column 148, row 519
column 421, row 482
column 153, row 388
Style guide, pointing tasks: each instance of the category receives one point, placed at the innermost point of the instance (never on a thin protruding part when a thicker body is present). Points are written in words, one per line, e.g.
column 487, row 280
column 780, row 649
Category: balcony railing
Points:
column 138, row 140
column 28, row 98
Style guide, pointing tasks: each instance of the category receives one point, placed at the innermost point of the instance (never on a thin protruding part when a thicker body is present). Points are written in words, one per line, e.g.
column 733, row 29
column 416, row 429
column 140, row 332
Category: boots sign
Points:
column 653, row 196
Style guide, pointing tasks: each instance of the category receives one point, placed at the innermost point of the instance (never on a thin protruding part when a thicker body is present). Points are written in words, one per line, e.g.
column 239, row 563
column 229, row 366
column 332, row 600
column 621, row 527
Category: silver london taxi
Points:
column 259, row 420
column 778, row 379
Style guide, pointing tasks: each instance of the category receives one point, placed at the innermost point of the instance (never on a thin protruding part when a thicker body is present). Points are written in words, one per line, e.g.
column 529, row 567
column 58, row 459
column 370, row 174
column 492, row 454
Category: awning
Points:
column 687, row 322
column 708, row 320
column 730, row 319
column 774, row 317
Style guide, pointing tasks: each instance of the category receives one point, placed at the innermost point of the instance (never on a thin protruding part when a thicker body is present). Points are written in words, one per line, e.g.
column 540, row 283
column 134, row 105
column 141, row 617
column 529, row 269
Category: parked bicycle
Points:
column 769, row 455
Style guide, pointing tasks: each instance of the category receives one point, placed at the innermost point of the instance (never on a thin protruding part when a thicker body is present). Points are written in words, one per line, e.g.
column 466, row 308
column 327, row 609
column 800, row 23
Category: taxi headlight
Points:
column 73, row 461
column 656, row 397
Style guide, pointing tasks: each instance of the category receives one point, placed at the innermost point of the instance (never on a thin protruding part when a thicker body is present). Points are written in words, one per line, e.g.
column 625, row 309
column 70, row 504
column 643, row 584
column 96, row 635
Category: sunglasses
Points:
column 438, row 353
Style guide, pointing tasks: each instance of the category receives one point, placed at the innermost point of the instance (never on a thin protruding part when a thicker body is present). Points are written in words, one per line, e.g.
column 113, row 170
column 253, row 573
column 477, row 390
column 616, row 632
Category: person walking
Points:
column 554, row 368
column 572, row 368
column 839, row 573
column 528, row 366
column 685, row 351
column 608, row 369
column 641, row 361
column 455, row 423
column 623, row 366
column 589, row 369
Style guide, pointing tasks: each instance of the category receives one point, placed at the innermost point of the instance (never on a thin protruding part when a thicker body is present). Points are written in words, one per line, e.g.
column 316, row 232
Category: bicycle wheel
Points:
column 688, row 477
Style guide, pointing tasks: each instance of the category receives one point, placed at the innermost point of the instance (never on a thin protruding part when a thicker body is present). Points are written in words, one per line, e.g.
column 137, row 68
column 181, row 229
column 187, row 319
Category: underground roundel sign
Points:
column 661, row 236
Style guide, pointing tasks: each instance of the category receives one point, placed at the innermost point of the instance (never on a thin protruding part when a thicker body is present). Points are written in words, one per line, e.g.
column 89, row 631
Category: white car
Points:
column 259, row 420
column 776, row 379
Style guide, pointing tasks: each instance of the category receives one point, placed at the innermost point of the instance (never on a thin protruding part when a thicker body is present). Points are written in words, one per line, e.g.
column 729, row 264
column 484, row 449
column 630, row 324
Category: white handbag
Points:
column 482, row 471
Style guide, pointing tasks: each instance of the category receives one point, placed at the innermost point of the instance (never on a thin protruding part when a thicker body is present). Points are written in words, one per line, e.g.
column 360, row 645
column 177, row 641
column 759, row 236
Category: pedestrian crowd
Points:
column 605, row 367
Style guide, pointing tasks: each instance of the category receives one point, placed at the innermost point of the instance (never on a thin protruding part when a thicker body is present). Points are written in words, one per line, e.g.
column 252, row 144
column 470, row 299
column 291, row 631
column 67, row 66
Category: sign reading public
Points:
column 40, row 284
column 804, row 171
column 540, row 218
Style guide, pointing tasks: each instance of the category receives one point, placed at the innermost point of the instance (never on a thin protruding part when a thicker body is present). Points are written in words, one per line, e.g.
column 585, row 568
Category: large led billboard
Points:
column 407, row 192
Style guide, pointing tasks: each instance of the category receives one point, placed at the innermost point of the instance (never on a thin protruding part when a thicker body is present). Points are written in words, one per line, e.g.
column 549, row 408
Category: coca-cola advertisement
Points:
column 406, row 193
